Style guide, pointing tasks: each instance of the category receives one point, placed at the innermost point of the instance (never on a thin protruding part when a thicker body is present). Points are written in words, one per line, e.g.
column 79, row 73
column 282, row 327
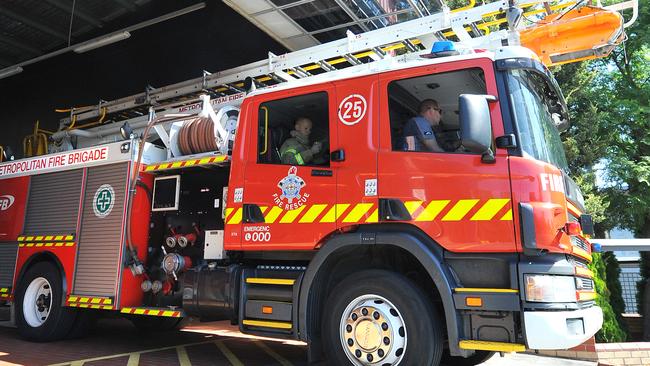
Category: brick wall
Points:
column 607, row 354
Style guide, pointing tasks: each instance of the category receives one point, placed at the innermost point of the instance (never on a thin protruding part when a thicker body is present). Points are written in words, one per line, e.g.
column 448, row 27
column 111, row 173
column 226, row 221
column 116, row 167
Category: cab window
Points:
column 424, row 110
column 294, row 131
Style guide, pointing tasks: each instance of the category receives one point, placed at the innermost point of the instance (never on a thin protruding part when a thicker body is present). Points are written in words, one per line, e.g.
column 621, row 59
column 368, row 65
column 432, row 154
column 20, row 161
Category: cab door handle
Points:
column 337, row 155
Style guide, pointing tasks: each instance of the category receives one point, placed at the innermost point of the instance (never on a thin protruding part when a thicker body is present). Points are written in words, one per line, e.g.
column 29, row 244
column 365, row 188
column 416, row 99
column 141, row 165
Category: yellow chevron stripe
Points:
column 229, row 210
column 96, row 300
column 69, row 244
column 272, row 215
column 29, row 245
column 168, row 313
column 38, row 238
column 459, row 210
column 489, row 209
column 49, row 238
column 49, row 244
column 29, row 238
column 374, row 216
column 432, row 210
column 72, row 298
column 84, row 299
column 507, row 216
column 236, row 217
column 263, row 209
column 411, row 206
column 290, row 216
column 204, row 161
column 335, row 212
column 58, row 237
column 357, row 212
column 21, row 245
column 4, row 289
column 21, row 238
column 69, row 237
column 139, row 311
column 312, row 213
column 39, row 244
column 177, row 164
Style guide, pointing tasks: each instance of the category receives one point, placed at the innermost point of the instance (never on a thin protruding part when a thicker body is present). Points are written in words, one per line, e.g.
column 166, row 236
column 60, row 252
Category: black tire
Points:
column 146, row 323
column 60, row 319
column 476, row 359
column 420, row 319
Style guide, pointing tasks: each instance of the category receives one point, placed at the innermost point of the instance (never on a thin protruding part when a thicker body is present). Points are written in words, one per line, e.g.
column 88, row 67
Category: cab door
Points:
column 355, row 158
column 461, row 201
column 285, row 206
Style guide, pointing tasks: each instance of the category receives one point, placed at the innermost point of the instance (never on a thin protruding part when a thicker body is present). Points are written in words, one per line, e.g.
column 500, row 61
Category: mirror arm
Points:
column 488, row 157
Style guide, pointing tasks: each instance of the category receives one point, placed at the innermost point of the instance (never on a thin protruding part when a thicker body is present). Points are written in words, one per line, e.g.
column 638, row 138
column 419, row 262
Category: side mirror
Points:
column 475, row 122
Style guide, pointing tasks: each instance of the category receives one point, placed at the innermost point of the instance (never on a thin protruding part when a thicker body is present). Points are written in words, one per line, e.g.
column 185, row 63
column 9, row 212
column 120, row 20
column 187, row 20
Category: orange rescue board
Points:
column 580, row 34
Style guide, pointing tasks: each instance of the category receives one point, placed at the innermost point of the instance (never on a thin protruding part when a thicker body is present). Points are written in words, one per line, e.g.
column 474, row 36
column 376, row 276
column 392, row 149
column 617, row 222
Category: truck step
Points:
column 267, row 300
column 491, row 346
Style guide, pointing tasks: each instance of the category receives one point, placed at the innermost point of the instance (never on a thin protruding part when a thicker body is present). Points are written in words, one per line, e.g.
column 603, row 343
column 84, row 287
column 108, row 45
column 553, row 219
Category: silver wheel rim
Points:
column 37, row 302
column 372, row 331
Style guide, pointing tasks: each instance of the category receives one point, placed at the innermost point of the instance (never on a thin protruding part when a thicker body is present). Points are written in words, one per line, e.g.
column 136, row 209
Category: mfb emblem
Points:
column 103, row 201
column 290, row 187
column 6, row 201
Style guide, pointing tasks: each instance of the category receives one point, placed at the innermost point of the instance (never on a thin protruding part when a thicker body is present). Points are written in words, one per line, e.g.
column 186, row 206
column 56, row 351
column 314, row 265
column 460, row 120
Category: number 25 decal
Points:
column 352, row 109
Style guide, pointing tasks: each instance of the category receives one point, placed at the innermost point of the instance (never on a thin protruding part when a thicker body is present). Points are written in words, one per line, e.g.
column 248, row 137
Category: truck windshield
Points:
column 532, row 99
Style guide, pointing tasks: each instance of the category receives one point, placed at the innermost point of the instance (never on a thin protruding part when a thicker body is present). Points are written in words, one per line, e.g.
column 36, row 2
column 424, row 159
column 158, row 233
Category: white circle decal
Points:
column 103, row 201
column 352, row 109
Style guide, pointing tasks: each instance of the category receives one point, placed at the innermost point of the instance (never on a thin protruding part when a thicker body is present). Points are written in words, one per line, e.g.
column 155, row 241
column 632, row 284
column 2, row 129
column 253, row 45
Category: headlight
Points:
column 544, row 288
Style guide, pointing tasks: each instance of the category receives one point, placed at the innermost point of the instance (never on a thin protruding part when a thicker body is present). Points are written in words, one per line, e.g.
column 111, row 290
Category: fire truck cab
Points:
column 369, row 247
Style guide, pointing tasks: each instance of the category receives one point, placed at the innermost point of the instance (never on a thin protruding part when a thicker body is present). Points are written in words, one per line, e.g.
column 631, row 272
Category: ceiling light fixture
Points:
column 10, row 72
column 101, row 42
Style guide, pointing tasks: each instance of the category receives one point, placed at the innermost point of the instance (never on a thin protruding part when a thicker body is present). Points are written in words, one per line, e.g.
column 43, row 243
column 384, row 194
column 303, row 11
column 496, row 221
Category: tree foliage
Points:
column 608, row 148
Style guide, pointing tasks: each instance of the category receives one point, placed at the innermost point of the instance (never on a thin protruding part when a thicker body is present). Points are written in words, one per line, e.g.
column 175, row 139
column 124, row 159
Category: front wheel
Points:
column 40, row 315
column 377, row 317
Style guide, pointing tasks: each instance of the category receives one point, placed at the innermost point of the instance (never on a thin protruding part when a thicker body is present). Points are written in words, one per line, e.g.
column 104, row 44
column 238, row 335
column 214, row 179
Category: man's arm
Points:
column 432, row 145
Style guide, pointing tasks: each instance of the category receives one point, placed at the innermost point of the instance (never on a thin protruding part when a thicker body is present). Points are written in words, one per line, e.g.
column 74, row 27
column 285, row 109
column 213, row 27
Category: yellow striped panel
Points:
column 507, row 216
column 204, row 160
column 236, row 217
column 167, row 313
column 49, row 244
column 263, row 209
column 581, row 253
column 229, row 210
column 432, row 210
column 459, row 210
column 29, row 245
column 58, row 237
column 290, row 216
column 586, row 296
column 490, row 209
column 4, row 289
column 84, row 299
column 29, row 238
column 374, row 216
column 267, row 324
column 176, row 164
column 335, row 212
column 69, row 244
column 69, row 237
column 272, row 215
column 357, row 212
column 271, row 281
column 584, row 272
column 312, row 213
column 491, row 346
column 49, row 238
column 139, row 311
column 39, row 244
column 21, row 245
column 492, row 290
column 38, row 238
column 73, row 298
column 21, row 238
column 411, row 206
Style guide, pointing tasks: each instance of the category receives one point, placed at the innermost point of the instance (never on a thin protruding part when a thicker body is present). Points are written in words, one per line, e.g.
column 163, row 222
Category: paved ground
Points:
column 117, row 342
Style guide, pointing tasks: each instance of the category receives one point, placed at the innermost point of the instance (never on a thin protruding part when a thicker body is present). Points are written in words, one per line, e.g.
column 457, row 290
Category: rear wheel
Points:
column 378, row 317
column 40, row 315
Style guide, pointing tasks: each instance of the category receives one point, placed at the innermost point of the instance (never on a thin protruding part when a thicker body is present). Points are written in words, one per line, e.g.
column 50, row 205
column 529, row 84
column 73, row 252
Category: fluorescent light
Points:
column 101, row 42
column 4, row 73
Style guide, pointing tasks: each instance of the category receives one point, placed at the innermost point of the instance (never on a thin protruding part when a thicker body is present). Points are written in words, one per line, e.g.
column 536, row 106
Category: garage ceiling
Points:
column 35, row 30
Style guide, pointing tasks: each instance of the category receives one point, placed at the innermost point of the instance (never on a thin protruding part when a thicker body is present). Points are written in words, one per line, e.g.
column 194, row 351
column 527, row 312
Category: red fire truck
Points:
column 371, row 251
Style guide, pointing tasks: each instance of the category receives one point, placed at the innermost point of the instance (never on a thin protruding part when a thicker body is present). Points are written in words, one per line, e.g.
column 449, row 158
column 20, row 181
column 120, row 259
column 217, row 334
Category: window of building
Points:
column 424, row 110
column 294, row 131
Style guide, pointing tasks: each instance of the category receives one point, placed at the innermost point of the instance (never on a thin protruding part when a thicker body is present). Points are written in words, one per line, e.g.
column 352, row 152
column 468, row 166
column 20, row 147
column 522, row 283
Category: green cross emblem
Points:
column 103, row 200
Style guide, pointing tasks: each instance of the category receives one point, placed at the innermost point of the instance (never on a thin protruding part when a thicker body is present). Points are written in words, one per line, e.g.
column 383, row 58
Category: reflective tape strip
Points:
column 490, row 209
column 312, row 213
column 46, row 245
column 153, row 312
column 272, row 215
column 185, row 163
column 460, row 209
column 432, row 210
column 229, row 210
column 580, row 271
column 90, row 300
column 491, row 346
column 507, row 216
column 412, row 206
column 4, row 290
column 586, row 295
column 236, row 217
column 335, row 212
column 290, row 216
column 374, row 216
column 5, row 296
column 271, row 281
column 91, row 306
column 582, row 253
column 357, row 212
column 267, row 324
column 38, row 238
